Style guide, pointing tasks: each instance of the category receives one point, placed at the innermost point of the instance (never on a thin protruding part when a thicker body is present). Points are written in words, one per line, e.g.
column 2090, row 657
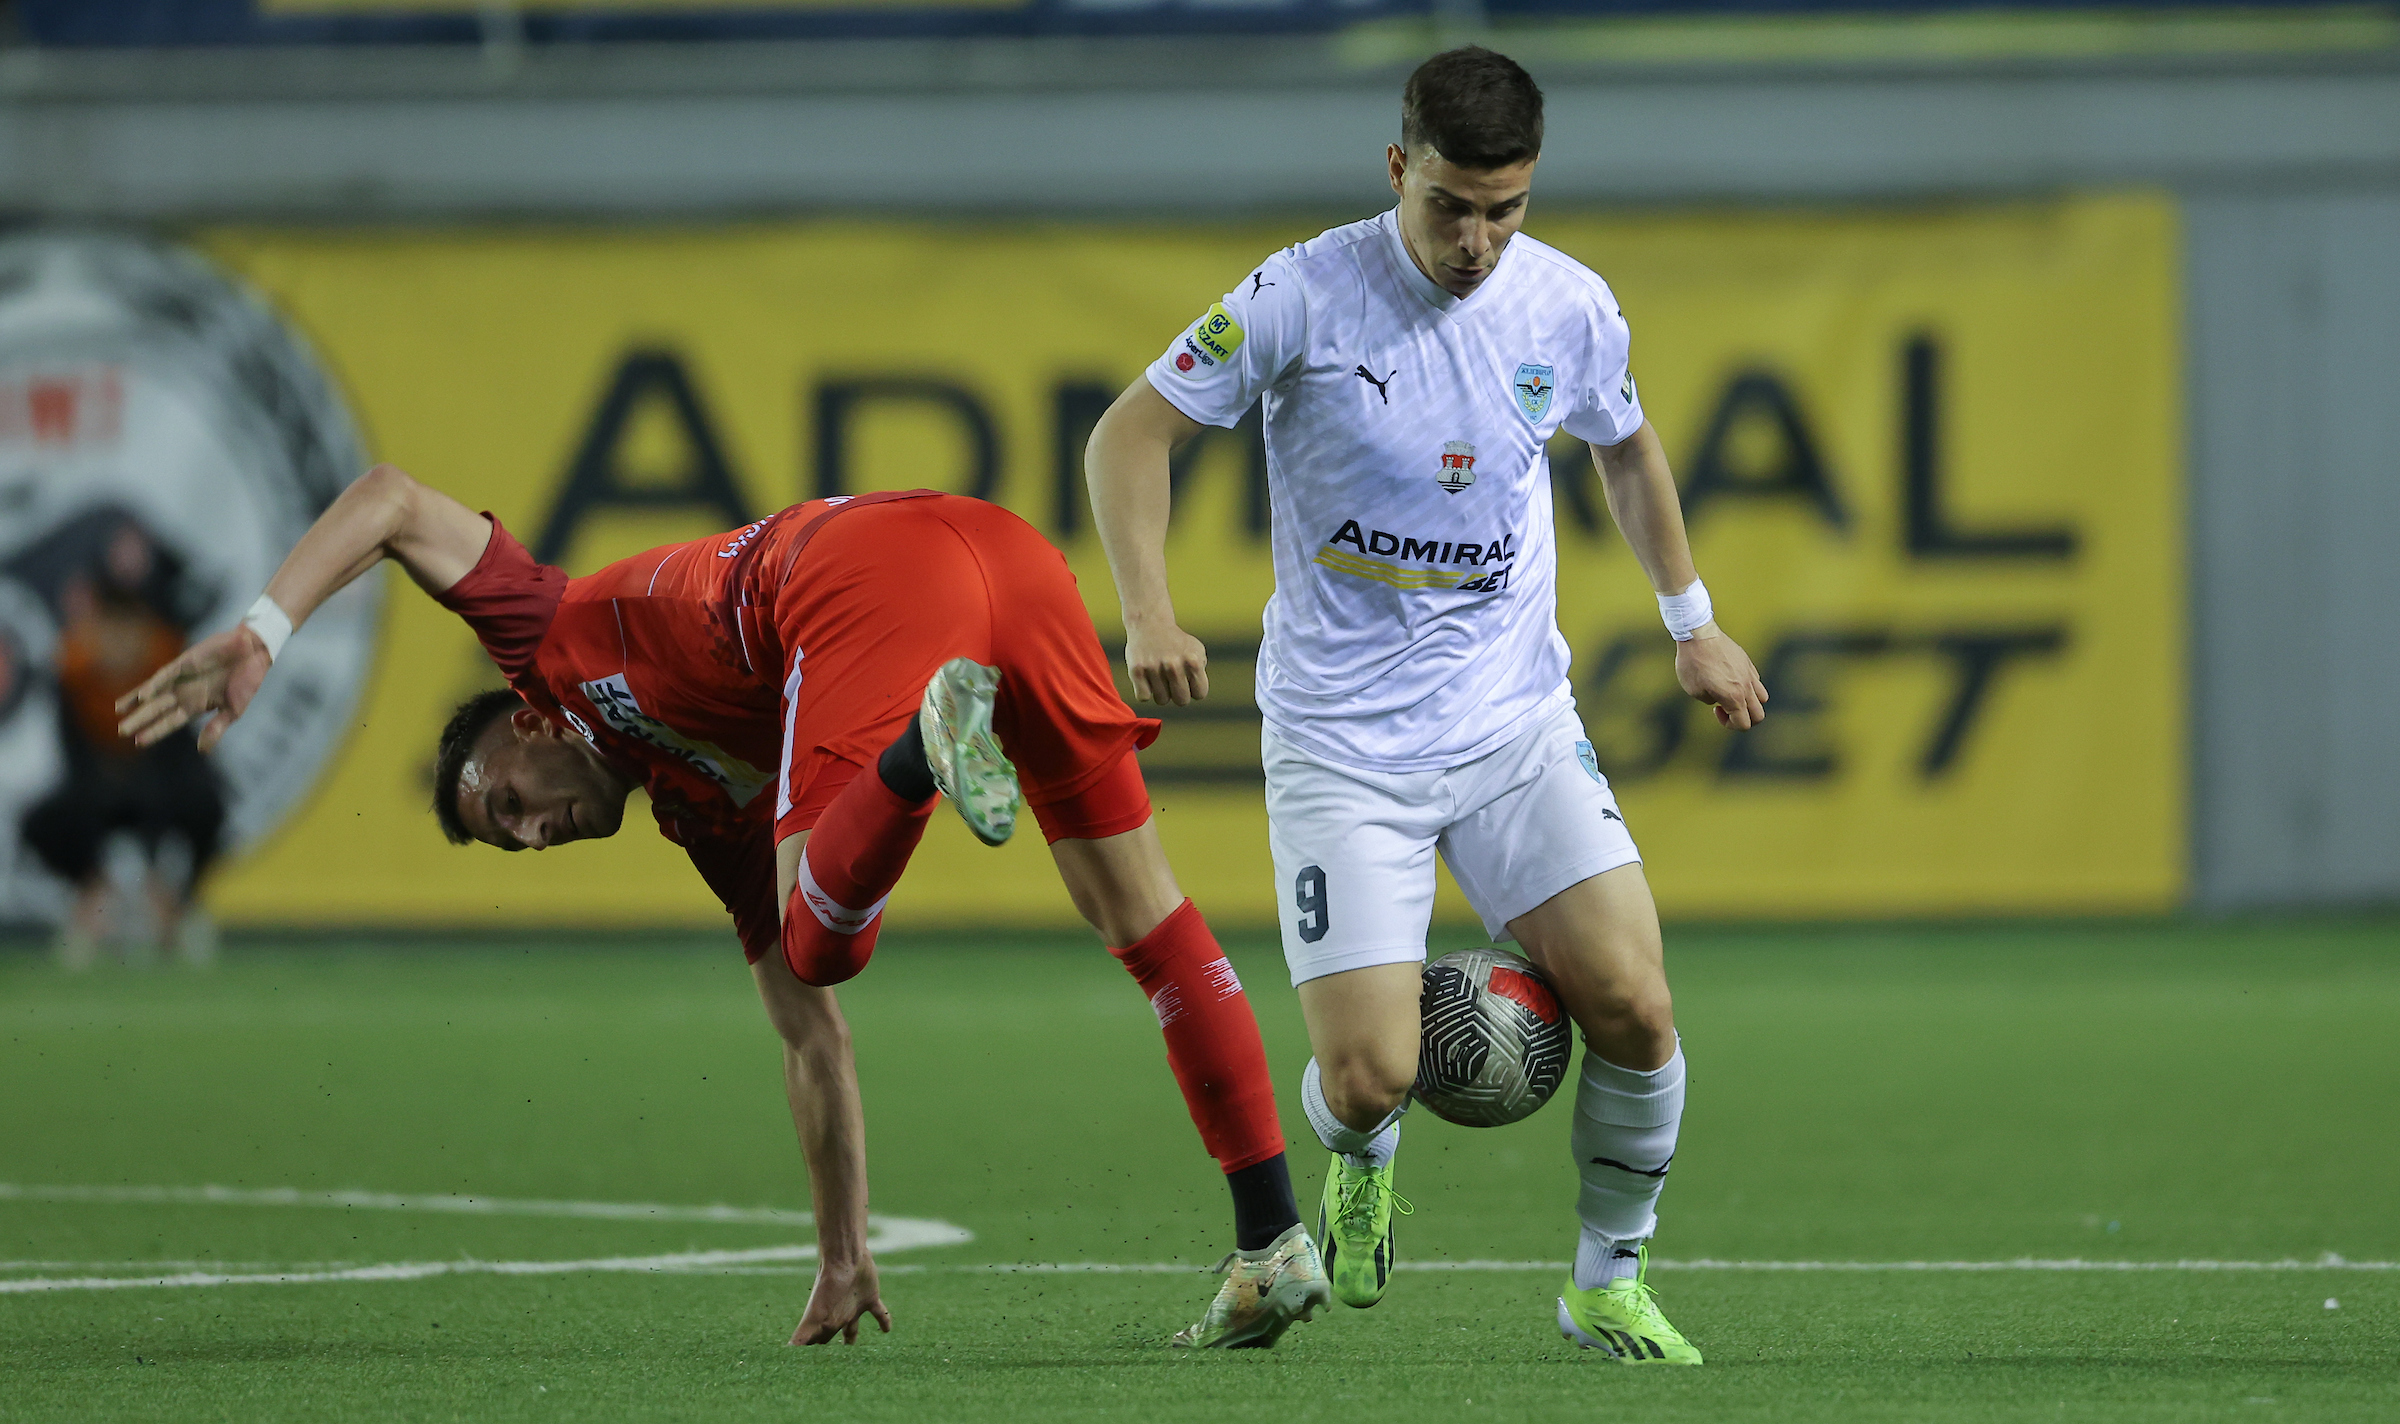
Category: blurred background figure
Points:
column 131, row 829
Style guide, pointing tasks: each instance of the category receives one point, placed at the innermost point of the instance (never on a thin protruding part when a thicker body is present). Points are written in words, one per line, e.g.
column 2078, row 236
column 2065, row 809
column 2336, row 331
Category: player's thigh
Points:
column 1537, row 817
column 1353, row 855
column 787, row 869
column 1598, row 942
column 1362, row 1030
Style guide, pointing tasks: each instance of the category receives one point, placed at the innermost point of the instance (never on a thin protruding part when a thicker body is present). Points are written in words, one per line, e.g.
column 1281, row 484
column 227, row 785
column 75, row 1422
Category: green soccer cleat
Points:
column 968, row 765
column 1355, row 1218
column 1264, row 1292
column 1622, row 1321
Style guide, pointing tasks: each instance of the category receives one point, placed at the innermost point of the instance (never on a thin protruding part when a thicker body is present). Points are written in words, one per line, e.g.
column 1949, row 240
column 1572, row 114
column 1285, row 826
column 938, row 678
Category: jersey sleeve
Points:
column 1608, row 408
column 509, row 600
column 741, row 871
column 1238, row 348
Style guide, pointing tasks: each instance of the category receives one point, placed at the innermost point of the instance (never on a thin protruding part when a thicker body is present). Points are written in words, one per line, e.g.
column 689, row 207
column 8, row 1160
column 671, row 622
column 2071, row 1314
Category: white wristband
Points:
column 273, row 626
column 1687, row 612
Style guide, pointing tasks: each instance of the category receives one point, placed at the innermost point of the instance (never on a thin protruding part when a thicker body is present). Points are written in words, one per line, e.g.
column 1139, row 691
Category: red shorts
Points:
column 883, row 595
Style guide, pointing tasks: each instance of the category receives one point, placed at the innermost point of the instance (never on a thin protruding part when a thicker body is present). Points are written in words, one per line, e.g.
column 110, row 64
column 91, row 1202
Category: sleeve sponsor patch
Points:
column 1218, row 333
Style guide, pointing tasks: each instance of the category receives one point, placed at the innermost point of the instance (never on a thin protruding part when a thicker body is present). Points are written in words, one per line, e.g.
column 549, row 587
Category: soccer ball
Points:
column 1495, row 1041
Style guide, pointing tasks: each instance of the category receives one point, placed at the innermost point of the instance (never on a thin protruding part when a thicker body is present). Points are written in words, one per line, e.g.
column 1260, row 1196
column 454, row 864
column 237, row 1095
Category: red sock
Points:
column 854, row 858
column 1212, row 1038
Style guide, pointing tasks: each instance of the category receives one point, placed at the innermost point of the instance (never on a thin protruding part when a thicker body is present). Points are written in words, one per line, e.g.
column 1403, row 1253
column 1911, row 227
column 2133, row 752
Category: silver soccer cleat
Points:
column 1262, row 1296
column 956, row 722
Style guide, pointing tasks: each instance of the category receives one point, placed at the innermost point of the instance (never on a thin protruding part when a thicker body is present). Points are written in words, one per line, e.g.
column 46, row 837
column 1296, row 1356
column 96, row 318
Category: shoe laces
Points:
column 1640, row 1300
column 1358, row 1195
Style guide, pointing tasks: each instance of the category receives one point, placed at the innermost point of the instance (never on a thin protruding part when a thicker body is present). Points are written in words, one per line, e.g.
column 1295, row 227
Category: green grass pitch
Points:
column 2139, row 1093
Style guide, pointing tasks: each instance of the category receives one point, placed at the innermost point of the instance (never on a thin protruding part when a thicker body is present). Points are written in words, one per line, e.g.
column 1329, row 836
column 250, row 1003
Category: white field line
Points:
column 2326, row 1262
column 196, row 1265
column 392, row 1201
column 885, row 1235
column 765, row 1261
column 411, row 1271
column 1134, row 1268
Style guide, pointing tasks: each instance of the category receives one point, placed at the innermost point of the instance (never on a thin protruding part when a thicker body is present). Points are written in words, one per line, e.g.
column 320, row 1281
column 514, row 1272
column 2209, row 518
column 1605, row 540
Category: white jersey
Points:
column 1414, row 624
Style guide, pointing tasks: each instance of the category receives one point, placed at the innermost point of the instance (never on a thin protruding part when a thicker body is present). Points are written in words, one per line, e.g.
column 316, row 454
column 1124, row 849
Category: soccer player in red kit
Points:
column 792, row 695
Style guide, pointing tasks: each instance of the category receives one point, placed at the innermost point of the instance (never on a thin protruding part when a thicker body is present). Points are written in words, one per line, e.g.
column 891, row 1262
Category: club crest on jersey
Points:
column 1534, row 385
column 1458, row 466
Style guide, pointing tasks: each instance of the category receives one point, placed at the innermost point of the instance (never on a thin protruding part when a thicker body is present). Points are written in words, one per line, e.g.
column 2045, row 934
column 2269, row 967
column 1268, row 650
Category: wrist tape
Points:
column 273, row 626
column 1686, row 612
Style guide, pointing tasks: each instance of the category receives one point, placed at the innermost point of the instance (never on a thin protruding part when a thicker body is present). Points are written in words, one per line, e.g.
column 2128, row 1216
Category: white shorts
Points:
column 1354, row 849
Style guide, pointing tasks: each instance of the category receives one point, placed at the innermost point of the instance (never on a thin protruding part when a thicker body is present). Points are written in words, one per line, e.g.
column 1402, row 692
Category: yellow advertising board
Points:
column 1930, row 459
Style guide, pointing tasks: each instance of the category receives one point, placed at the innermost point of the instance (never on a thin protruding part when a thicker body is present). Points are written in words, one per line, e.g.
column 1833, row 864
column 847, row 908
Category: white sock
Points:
column 1365, row 1147
column 1600, row 1260
column 1624, row 1140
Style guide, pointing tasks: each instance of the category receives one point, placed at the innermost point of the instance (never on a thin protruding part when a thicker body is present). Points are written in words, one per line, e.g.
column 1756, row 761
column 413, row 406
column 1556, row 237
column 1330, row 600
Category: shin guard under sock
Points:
column 1212, row 1038
column 1626, row 1122
column 854, row 858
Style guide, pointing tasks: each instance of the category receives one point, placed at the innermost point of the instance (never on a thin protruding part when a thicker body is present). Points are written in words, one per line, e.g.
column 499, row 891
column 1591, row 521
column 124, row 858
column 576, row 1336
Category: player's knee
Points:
column 1631, row 1021
column 820, row 958
column 1362, row 1089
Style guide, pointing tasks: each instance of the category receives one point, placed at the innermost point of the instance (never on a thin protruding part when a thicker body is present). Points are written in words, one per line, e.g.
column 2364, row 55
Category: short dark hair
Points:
column 1477, row 108
column 459, row 736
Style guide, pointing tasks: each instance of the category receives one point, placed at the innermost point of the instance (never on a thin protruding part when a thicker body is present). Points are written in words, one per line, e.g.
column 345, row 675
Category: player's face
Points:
column 531, row 786
column 1455, row 220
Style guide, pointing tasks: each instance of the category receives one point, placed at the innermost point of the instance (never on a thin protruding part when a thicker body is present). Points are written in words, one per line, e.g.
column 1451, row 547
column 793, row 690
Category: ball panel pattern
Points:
column 1495, row 1039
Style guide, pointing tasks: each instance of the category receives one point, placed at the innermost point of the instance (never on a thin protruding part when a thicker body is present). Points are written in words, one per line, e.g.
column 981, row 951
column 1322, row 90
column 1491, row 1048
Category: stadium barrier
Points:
column 1931, row 463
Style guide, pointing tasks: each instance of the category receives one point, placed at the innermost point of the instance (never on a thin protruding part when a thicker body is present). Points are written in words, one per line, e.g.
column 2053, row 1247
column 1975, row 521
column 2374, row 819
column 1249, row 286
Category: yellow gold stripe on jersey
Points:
column 1381, row 572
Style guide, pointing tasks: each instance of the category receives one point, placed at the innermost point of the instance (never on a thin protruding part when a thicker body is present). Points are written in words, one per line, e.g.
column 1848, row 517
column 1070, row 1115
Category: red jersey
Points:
column 745, row 677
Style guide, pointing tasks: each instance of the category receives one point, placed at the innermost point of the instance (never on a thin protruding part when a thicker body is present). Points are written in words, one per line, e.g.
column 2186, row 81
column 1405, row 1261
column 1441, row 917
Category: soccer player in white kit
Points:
column 1413, row 679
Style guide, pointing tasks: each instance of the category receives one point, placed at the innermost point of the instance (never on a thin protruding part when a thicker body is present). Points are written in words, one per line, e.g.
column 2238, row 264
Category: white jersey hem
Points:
column 1323, row 750
column 1169, row 397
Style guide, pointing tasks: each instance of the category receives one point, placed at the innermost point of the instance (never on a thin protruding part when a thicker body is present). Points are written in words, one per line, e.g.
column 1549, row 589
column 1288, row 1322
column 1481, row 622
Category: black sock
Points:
column 1263, row 1208
column 903, row 766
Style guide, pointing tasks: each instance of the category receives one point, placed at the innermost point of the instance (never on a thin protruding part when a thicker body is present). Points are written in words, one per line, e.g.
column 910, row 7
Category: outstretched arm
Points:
column 820, row 1080
column 383, row 515
column 1642, row 499
column 1126, row 466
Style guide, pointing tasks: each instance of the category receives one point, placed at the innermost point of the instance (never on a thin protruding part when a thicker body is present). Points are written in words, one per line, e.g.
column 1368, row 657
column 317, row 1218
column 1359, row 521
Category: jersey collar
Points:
column 1414, row 278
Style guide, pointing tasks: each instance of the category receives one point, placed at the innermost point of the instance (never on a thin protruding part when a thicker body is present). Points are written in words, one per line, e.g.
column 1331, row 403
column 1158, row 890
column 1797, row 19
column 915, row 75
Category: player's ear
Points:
column 1397, row 158
column 527, row 724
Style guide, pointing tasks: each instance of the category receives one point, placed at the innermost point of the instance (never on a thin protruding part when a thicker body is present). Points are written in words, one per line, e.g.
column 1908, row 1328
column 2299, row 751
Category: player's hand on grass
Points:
column 1167, row 665
column 1714, row 669
column 218, row 674
column 842, row 1296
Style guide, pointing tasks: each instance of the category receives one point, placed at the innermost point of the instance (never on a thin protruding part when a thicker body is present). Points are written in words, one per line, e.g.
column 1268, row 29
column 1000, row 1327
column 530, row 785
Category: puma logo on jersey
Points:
column 1369, row 377
column 1258, row 281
